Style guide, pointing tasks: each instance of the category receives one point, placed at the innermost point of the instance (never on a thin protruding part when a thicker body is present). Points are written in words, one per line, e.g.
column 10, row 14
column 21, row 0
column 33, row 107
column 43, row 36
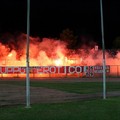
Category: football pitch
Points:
column 60, row 99
column 55, row 90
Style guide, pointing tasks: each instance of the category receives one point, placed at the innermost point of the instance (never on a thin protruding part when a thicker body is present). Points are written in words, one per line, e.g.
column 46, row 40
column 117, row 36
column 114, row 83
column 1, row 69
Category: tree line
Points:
column 73, row 41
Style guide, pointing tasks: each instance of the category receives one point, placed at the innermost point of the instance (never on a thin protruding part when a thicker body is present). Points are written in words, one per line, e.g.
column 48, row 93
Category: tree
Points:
column 68, row 36
column 116, row 43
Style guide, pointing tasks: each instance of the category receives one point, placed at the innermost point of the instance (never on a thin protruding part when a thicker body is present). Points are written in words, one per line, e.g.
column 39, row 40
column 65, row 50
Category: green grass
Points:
column 108, row 109
column 81, row 88
column 84, row 110
column 73, row 87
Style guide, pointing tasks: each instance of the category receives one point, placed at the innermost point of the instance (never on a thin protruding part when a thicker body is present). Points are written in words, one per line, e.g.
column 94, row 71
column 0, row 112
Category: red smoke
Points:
column 46, row 52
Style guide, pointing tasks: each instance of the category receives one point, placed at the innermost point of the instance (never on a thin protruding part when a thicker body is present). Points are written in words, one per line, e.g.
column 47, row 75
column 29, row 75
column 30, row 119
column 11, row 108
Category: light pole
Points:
column 103, row 48
column 27, row 57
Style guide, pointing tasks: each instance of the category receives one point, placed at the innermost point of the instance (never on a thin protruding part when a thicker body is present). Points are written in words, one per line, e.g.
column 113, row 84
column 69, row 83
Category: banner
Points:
column 41, row 69
column 89, row 70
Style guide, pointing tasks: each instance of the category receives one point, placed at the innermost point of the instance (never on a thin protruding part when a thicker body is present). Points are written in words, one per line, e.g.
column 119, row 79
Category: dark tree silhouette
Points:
column 68, row 36
column 116, row 43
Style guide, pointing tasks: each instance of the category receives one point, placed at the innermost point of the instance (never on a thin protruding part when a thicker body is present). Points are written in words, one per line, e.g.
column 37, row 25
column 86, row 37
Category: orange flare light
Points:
column 50, row 52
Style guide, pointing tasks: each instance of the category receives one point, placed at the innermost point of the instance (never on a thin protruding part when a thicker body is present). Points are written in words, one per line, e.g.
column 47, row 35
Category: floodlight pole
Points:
column 27, row 57
column 103, row 48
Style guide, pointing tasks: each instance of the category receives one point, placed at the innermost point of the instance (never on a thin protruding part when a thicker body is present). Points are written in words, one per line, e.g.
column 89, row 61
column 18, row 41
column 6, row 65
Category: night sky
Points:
column 50, row 17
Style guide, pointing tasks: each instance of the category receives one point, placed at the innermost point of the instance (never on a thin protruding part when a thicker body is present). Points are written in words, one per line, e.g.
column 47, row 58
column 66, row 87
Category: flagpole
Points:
column 103, row 49
column 27, row 57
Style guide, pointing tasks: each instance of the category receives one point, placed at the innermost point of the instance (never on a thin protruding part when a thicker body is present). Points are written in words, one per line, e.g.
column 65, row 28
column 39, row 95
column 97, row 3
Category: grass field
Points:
column 83, row 110
column 72, row 87
column 86, row 109
column 82, row 88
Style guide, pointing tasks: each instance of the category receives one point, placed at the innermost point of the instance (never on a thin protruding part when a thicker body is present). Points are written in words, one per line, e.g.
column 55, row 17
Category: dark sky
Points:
column 50, row 17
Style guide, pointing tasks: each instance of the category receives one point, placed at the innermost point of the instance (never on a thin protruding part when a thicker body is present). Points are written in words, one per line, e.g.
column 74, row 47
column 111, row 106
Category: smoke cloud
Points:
column 46, row 52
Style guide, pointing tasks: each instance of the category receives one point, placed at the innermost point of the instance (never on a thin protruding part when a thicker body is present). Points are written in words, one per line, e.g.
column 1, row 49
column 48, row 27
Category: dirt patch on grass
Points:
column 14, row 94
